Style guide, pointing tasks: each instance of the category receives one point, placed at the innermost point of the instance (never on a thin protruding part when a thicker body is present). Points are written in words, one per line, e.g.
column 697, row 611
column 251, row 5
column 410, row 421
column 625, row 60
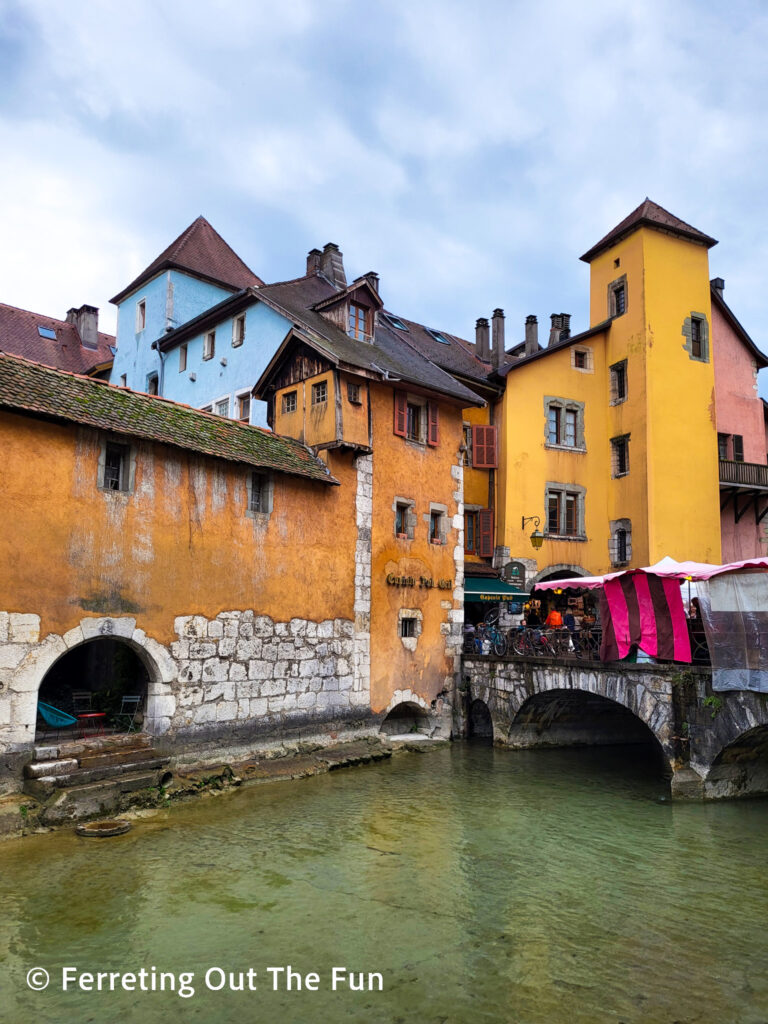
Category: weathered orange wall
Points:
column 423, row 474
column 180, row 544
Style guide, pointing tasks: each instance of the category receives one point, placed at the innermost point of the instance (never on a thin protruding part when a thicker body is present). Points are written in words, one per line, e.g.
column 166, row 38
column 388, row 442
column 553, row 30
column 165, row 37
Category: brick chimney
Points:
column 86, row 322
column 561, row 327
column 482, row 342
column 314, row 256
column 497, row 331
column 531, row 335
column 373, row 280
column 332, row 265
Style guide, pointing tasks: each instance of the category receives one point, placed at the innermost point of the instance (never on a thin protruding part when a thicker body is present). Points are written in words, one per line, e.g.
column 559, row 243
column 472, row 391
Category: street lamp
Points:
column 537, row 537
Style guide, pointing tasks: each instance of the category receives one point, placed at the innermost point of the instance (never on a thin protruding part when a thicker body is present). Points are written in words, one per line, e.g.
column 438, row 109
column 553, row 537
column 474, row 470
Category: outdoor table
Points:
column 95, row 719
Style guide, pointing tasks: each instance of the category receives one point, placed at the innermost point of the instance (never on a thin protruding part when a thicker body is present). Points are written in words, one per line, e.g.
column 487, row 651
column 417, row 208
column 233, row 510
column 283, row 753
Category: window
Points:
column 358, row 321
column 620, row 544
column 116, row 467
column 47, row 332
column 244, row 408
column 353, row 394
column 470, row 532
column 141, row 315
column 395, row 321
column 289, row 401
column 407, row 626
column 209, row 345
column 182, row 358
column 580, row 358
column 152, row 384
column 320, row 392
column 696, row 334
column 238, row 330
column 565, row 510
column 565, row 423
column 259, row 494
column 738, row 448
column 484, row 447
column 221, row 408
column 416, row 419
column 437, row 527
column 617, row 296
column 437, row 336
column 485, row 534
column 620, row 455
column 405, row 518
column 206, row 408
column 619, row 382
column 722, row 446
column 123, row 380
column 467, row 443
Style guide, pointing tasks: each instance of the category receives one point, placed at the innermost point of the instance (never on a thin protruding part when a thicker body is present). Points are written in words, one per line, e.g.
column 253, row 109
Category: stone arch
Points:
column 574, row 716
column 407, row 717
column 741, row 766
column 479, row 720
column 26, row 679
column 561, row 570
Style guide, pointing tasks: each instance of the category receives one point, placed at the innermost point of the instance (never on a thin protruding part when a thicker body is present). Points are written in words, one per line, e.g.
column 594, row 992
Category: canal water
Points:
column 480, row 884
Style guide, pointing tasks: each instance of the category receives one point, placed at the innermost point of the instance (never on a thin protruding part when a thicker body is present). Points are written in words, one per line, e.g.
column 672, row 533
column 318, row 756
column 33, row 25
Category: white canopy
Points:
column 667, row 567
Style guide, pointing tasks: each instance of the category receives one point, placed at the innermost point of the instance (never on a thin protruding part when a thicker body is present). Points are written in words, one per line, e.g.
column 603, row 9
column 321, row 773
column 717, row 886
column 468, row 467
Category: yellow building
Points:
column 608, row 437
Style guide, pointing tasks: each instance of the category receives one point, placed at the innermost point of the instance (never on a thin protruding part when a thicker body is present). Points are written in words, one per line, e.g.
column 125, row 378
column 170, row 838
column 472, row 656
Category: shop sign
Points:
column 419, row 582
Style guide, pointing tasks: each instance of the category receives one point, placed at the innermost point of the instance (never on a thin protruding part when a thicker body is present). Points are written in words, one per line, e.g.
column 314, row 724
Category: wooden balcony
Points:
column 750, row 475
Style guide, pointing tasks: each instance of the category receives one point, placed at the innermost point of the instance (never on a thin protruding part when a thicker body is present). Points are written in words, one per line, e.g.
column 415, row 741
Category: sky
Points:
column 469, row 153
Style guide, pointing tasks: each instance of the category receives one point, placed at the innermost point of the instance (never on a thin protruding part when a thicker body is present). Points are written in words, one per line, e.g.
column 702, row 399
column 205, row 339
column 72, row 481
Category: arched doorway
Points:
column 479, row 724
column 407, row 718
column 741, row 768
column 104, row 675
column 562, row 571
column 578, row 718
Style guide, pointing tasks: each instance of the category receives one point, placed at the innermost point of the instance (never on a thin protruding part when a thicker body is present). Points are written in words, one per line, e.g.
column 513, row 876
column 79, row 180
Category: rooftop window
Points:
column 438, row 336
column 47, row 332
column 396, row 322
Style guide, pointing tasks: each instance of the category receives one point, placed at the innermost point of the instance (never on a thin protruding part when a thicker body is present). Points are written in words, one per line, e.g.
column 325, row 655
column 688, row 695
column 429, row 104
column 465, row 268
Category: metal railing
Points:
column 744, row 474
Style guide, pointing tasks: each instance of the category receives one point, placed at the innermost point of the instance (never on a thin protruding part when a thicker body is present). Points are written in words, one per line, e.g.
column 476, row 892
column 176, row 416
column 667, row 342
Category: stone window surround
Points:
column 614, row 389
column 471, row 510
column 563, row 489
column 410, row 643
column 613, row 287
column 686, row 333
column 410, row 516
column 130, row 464
column 613, row 542
column 268, row 496
column 566, row 405
column 590, row 362
column 615, row 441
column 442, row 511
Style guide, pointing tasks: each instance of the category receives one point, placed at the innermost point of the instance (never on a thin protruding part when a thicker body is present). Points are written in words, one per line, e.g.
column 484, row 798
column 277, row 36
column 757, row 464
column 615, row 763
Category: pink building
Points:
column 741, row 434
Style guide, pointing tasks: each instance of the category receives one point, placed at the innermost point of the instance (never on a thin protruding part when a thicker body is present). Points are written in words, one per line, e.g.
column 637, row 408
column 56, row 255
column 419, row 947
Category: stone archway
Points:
column 741, row 767
column 23, row 686
column 406, row 718
column 479, row 721
column 559, row 571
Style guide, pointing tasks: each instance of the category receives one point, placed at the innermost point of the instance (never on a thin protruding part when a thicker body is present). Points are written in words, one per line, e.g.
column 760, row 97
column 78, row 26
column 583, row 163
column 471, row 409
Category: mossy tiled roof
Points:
column 40, row 390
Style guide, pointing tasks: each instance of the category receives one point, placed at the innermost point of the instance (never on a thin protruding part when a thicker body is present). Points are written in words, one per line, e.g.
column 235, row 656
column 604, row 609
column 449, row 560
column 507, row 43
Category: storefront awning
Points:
column 478, row 589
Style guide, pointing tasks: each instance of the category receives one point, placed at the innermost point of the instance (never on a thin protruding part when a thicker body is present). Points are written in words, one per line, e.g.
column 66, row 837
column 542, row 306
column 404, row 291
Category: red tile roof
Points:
column 27, row 387
column 649, row 214
column 202, row 251
column 19, row 335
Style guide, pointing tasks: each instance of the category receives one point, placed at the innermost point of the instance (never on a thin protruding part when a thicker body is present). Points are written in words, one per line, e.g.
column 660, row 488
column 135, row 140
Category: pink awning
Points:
column 667, row 568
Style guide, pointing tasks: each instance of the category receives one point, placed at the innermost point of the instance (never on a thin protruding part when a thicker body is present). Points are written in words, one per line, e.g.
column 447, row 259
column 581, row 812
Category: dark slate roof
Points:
column 390, row 355
column 648, row 214
column 717, row 297
column 39, row 390
column 19, row 335
column 202, row 251
column 458, row 357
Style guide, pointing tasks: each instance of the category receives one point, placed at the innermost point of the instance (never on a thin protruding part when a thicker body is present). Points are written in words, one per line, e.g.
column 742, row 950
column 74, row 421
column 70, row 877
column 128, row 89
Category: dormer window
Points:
column 358, row 321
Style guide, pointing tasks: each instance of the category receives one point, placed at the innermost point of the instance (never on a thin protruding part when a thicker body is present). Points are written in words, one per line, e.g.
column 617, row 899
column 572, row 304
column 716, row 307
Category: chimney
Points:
column 482, row 344
column 86, row 322
column 373, row 280
column 332, row 265
column 561, row 327
column 719, row 286
column 314, row 257
column 531, row 335
column 497, row 330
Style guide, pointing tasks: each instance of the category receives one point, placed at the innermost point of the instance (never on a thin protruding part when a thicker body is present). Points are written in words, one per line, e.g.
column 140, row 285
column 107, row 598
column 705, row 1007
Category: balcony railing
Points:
column 743, row 474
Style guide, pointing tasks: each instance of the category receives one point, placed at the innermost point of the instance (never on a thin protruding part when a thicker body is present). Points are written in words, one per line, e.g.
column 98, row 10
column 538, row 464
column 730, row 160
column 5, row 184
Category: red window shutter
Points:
column 433, row 428
column 401, row 413
column 484, row 447
column 485, row 533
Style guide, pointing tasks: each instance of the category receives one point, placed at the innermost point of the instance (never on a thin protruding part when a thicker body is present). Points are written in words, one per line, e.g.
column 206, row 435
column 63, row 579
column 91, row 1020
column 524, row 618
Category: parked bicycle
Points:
column 485, row 638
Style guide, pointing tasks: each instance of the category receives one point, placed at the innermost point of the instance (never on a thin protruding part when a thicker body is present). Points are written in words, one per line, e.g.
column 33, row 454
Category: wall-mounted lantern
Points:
column 537, row 537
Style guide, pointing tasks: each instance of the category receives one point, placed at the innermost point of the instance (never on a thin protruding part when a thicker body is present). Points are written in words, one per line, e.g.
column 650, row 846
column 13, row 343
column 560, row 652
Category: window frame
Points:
column 437, row 524
column 354, row 393
column 619, row 453
column 209, row 344
column 618, row 297
column 568, row 502
column 619, row 373
column 319, row 388
column 183, row 356
column 238, row 337
column 737, row 444
column 153, row 380
column 696, row 337
column 126, row 478
column 265, row 493
column 240, row 397
column 141, row 315
column 405, row 518
column 222, row 400
column 285, row 401
column 564, row 419
column 362, row 313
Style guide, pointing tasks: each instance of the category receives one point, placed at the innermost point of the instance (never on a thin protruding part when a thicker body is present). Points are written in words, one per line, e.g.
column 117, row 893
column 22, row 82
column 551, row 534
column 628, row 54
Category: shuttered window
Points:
column 433, row 426
column 485, row 533
column 484, row 447
column 401, row 413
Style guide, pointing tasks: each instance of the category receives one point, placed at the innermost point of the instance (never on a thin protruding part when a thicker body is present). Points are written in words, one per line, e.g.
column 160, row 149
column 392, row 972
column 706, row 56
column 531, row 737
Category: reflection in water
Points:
column 484, row 884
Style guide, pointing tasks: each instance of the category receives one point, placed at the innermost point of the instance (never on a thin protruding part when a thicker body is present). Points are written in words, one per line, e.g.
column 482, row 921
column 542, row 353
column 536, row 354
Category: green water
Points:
column 483, row 885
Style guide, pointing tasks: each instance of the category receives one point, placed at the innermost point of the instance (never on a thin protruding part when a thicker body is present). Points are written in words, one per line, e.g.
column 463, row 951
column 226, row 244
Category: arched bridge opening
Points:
column 741, row 768
column 405, row 719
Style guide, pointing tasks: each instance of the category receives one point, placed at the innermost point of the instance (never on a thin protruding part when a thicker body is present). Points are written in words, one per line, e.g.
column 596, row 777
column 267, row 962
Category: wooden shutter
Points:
column 401, row 413
column 485, row 533
column 433, row 428
column 484, row 447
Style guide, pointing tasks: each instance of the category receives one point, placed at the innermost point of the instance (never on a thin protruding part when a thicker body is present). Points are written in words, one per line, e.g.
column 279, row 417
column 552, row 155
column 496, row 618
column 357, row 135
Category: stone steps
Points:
column 42, row 786
column 94, row 799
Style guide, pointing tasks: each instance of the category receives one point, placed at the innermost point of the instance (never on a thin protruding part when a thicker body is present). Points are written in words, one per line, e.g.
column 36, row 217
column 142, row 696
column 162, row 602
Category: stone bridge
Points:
column 712, row 745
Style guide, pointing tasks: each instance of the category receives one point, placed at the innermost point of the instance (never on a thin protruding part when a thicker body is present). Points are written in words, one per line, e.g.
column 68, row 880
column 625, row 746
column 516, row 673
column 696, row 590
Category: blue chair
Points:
column 54, row 717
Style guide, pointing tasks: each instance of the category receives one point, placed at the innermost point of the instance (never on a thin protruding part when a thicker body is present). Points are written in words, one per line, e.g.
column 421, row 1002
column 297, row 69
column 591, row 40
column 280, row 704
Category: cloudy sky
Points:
column 468, row 152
